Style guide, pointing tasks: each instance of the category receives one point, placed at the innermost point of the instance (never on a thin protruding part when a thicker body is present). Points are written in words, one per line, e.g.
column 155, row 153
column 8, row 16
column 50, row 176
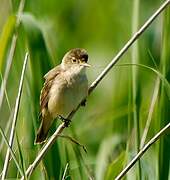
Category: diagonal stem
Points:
column 11, row 151
column 128, row 44
column 11, row 54
column 142, row 151
column 6, row 163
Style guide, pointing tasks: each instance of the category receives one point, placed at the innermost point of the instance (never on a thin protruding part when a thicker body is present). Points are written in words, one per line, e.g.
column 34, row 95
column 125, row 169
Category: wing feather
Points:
column 49, row 78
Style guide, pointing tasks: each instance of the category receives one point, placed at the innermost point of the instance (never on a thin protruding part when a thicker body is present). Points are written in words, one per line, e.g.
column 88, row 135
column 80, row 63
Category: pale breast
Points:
column 66, row 94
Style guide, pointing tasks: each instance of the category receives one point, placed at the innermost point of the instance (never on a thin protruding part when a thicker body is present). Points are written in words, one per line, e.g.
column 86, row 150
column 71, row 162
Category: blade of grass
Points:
column 6, row 94
column 6, row 163
column 6, row 129
column 7, row 70
column 21, row 157
column 164, row 103
column 116, row 166
column 151, row 109
column 11, row 151
column 134, row 88
column 11, row 54
column 5, row 37
column 153, row 60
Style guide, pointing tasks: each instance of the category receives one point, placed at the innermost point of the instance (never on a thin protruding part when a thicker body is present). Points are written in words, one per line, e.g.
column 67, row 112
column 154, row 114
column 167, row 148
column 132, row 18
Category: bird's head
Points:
column 75, row 59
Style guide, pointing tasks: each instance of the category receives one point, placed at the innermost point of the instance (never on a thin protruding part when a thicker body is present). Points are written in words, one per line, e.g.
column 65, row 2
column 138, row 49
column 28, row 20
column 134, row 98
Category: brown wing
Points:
column 49, row 78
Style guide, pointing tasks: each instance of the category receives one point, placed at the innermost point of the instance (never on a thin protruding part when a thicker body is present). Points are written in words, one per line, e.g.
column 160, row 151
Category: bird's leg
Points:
column 83, row 103
column 65, row 120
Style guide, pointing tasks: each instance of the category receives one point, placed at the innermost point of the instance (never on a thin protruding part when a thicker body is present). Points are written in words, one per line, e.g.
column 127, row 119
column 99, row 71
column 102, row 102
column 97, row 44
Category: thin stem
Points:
column 8, row 67
column 7, row 127
column 134, row 89
column 151, row 109
column 11, row 54
column 61, row 127
column 11, row 151
column 6, row 95
column 65, row 171
column 5, row 168
column 142, row 151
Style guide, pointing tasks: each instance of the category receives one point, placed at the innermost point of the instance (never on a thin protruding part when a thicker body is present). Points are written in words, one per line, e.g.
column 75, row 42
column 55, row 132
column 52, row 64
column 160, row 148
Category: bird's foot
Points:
column 65, row 120
column 83, row 103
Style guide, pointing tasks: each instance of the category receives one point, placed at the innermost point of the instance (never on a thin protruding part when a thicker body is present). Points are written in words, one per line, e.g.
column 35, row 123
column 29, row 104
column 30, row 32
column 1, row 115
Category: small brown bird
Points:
column 65, row 87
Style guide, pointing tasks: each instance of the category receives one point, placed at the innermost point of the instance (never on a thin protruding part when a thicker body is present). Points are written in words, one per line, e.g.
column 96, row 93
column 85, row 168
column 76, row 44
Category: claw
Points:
column 83, row 103
column 65, row 120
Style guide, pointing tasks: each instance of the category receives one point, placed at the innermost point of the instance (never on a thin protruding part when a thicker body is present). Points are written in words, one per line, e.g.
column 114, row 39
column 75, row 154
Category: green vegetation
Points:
column 129, row 106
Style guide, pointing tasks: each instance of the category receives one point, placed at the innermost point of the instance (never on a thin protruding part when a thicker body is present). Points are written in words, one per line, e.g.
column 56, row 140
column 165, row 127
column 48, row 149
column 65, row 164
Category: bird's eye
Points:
column 73, row 60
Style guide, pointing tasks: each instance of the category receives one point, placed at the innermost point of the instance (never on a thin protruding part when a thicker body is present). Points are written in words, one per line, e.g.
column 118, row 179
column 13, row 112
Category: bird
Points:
column 65, row 86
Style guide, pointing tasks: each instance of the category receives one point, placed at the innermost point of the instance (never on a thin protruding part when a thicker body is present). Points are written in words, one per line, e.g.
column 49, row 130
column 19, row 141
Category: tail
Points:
column 41, row 134
column 46, row 122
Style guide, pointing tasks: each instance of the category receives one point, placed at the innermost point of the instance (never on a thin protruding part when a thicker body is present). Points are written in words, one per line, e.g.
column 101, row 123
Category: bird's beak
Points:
column 85, row 64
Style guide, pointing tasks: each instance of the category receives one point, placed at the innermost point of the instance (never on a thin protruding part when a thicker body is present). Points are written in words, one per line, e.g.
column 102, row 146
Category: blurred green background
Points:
column 111, row 125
